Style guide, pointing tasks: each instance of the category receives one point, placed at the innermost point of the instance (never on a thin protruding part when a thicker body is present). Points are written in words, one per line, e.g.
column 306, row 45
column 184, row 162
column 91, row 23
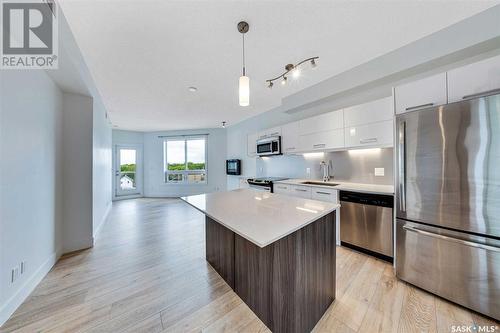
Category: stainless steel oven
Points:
column 269, row 146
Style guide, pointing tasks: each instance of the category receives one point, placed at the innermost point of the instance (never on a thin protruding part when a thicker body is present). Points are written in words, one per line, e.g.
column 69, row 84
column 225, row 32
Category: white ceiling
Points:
column 145, row 54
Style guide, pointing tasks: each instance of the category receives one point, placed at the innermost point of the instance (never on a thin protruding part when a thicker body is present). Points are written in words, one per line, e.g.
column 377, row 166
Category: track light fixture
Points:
column 223, row 124
column 292, row 69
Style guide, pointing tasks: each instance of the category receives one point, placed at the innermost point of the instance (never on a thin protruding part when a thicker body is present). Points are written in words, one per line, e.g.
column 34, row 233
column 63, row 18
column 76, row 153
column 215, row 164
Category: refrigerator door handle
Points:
column 402, row 166
column 452, row 239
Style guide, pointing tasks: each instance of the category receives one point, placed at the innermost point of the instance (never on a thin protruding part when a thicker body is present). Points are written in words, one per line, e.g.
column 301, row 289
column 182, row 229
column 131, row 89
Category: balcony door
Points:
column 128, row 170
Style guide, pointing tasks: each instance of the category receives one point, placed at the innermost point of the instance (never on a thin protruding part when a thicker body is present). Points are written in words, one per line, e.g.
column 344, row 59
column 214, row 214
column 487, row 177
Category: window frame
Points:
column 184, row 172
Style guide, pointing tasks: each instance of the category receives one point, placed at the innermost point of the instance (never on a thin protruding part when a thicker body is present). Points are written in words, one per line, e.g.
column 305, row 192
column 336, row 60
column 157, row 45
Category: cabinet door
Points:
column 327, row 140
column 372, row 135
column 371, row 112
column 420, row 94
column 282, row 188
column 275, row 131
column 301, row 191
column 324, row 194
column 290, row 137
column 323, row 122
column 473, row 80
column 251, row 144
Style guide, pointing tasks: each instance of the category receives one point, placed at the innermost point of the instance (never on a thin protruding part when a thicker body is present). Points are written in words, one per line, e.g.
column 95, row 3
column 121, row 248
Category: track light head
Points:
column 283, row 81
column 313, row 63
column 270, row 85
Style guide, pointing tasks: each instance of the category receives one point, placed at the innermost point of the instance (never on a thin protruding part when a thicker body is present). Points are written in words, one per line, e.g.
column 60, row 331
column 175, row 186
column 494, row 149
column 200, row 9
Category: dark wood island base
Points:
column 288, row 284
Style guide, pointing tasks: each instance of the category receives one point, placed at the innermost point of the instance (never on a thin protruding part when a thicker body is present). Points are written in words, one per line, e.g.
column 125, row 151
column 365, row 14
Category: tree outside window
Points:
column 185, row 160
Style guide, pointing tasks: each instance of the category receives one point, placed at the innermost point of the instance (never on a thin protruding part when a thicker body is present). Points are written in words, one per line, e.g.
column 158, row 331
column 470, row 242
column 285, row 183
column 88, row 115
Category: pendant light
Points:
column 244, row 83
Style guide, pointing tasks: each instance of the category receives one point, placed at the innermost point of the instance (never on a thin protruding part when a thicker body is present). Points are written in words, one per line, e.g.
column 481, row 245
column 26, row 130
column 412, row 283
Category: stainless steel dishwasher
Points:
column 366, row 222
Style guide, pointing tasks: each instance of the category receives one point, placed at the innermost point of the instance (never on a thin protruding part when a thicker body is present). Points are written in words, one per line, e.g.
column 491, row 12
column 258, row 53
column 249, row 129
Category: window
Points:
column 186, row 160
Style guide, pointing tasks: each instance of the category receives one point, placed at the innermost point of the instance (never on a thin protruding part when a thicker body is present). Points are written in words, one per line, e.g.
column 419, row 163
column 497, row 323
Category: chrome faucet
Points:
column 326, row 170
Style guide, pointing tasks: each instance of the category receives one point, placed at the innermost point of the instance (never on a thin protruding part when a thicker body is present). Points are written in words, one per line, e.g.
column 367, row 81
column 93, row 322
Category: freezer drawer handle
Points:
column 481, row 94
column 452, row 239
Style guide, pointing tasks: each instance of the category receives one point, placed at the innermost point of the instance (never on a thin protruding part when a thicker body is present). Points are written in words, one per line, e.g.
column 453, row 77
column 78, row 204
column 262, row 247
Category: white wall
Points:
column 77, row 172
column 154, row 185
column 30, row 182
column 102, row 166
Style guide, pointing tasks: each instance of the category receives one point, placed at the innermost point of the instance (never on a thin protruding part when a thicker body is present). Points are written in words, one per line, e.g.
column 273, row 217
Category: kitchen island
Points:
column 276, row 252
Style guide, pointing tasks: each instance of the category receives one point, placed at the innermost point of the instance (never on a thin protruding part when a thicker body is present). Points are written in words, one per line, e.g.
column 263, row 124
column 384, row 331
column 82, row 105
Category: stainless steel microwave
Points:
column 269, row 146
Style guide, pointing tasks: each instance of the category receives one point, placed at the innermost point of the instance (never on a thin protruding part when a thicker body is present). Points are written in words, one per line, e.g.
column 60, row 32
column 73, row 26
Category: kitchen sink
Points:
column 320, row 183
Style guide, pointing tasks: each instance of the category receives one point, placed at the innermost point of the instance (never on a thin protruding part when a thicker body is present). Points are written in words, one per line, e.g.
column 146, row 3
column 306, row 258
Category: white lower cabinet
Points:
column 371, row 135
column 308, row 192
column 282, row 188
column 324, row 194
column 301, row 191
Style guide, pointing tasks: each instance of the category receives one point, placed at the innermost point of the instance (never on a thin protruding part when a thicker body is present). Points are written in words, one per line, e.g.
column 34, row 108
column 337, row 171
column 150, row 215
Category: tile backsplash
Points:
column 353, row 165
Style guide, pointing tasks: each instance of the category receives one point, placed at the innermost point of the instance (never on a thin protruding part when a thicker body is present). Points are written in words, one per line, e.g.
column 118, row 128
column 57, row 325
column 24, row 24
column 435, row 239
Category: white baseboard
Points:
column 27, row 288
column 103, row 219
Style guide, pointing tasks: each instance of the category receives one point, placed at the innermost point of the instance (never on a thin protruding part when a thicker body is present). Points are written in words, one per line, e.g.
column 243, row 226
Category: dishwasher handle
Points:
column 372, row 199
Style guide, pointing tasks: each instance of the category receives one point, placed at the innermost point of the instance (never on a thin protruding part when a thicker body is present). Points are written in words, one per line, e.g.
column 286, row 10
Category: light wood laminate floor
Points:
column 147, row 273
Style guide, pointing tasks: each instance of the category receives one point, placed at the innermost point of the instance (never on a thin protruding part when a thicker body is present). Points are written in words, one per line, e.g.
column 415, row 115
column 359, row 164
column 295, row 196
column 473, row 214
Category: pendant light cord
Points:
column 243, row 54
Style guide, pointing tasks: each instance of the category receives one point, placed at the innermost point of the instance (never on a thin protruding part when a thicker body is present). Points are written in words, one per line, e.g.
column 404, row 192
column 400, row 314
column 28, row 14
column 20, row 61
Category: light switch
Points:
column 379, row 172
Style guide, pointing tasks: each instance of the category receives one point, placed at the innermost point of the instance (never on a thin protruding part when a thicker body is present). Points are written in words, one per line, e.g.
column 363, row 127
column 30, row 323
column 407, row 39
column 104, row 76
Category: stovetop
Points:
column 266, row 180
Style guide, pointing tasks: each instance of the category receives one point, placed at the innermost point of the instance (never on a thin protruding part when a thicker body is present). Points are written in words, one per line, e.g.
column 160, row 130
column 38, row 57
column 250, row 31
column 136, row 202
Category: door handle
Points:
column 371, row 140
column 402, row 165
column 452, row 239
column 419, row 106
column 481, row 94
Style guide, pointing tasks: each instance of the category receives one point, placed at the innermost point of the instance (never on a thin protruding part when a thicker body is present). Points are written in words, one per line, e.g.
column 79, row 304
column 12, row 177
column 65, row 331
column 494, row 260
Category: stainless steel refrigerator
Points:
column 448, row 202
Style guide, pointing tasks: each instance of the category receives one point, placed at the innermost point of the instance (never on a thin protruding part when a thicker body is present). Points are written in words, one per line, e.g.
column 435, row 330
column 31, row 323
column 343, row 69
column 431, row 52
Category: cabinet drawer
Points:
column 323, row 122
column 282, row 188
column 371, row 135
column 325, row 194
column 333, row 139
column 301, row 191
column 420, row 94
column 371, row 112
column 482, row 77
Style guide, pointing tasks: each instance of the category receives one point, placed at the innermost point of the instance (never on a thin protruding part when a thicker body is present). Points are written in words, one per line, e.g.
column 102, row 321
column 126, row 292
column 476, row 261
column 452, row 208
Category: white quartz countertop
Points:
column 344, row 186
column 260, row 217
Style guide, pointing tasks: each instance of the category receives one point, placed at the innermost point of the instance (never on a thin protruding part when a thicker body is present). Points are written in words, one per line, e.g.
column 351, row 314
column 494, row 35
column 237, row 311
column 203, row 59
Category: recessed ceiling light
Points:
column 193, row 89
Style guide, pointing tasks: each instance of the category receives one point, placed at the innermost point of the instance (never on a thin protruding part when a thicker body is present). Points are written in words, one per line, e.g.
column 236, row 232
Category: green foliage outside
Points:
column 127, row 167
column 182, row 167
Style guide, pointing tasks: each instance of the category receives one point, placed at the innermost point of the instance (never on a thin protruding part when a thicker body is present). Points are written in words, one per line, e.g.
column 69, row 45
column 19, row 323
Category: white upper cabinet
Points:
column 371, row 112
column 427, row 92
column 270, row 132
column 324, row 140
column 378, row 134
column 323, row 122
column 251, row 144
column 290, row 137
column 474, row 80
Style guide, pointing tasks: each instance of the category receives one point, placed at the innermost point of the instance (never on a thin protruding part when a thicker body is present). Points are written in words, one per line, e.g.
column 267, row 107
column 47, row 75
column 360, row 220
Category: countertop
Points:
column 345, row 186
column 260, row 217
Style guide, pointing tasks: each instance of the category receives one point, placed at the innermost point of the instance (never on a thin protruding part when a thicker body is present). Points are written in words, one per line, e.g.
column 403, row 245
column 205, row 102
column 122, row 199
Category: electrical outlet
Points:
column 14, row 274
column 23, row 267
column 379, row 172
